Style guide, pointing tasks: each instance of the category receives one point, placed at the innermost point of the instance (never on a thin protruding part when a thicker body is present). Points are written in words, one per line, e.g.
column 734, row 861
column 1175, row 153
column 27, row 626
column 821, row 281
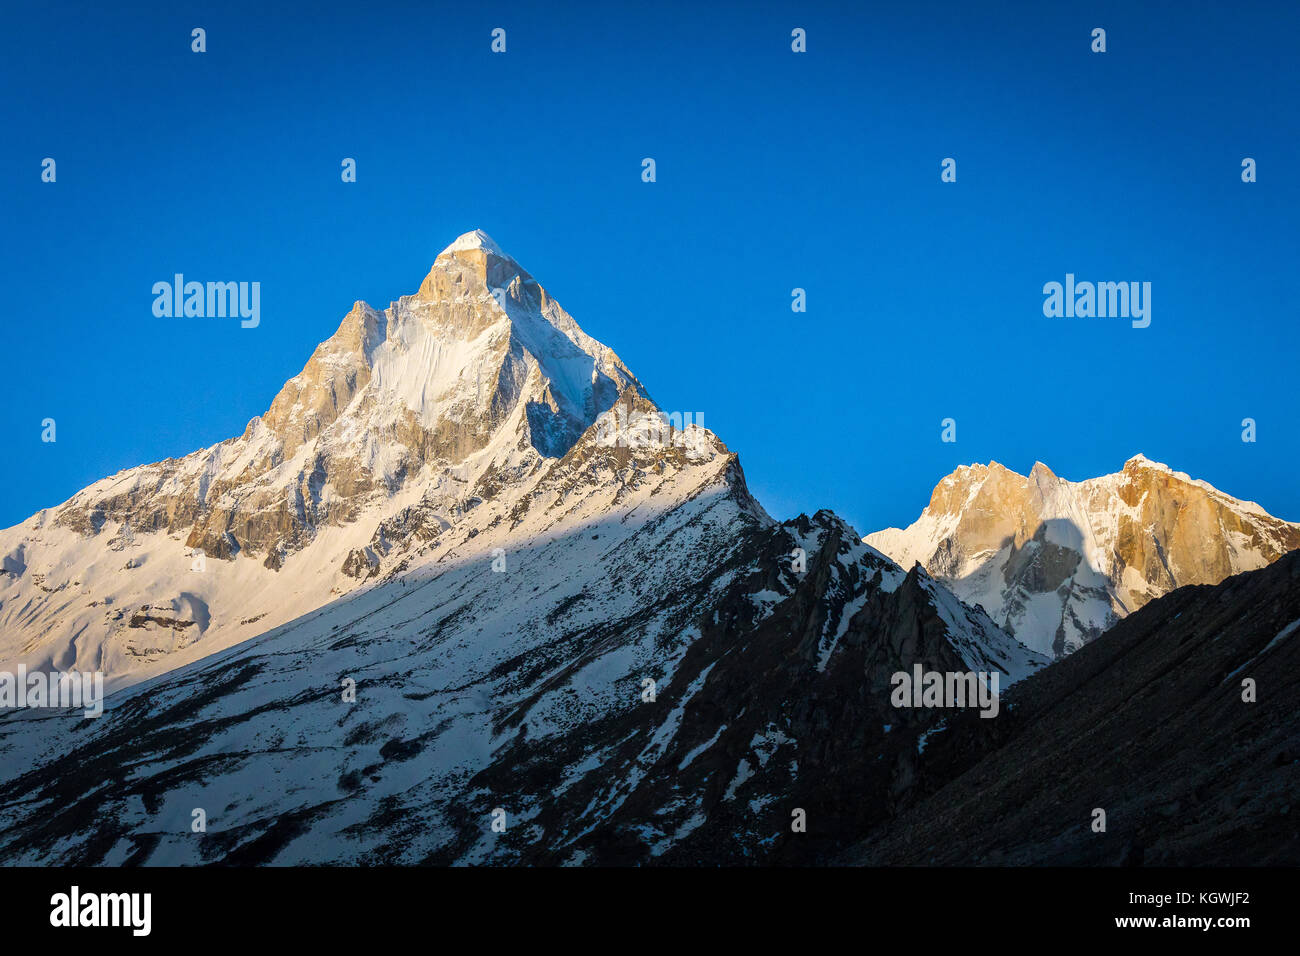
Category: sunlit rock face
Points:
column 399, row 425
column 1057, row 562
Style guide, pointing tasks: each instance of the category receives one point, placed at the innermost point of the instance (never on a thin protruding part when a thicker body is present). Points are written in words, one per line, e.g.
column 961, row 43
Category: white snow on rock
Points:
column 377, row 454
column 478, row 239
column 1058, row 562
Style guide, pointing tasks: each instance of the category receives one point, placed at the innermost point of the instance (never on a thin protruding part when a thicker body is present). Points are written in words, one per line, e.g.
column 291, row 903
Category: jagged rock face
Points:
column 781, row 702
column 396, row 428
column 427, row 382
column 1057, row 562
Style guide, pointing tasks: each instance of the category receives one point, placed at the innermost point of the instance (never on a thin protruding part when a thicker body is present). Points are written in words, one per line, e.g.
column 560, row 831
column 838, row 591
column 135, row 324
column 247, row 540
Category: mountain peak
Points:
column 447, row 416
column 1141, row 461
column 475, row 240
column 1057, row 562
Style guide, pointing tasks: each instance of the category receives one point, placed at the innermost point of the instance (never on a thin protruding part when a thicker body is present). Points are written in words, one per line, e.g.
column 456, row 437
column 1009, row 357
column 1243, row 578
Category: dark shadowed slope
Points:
column 1147, row 723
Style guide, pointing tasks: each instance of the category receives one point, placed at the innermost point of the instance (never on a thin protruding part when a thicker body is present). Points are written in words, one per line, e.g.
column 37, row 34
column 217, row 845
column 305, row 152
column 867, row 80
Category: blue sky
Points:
column 775, row 170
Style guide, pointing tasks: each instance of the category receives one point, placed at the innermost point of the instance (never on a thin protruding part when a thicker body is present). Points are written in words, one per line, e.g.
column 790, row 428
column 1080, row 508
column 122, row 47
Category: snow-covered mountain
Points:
column 400, row 424
column 1058, row 562
column 551, row 602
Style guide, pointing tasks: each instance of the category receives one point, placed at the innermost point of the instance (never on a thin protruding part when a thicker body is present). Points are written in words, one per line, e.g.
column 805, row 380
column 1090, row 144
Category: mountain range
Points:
column 466, row 594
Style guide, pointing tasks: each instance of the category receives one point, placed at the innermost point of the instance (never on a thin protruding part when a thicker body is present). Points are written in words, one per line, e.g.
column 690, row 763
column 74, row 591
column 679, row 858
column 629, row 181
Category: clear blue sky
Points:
column 775, row 170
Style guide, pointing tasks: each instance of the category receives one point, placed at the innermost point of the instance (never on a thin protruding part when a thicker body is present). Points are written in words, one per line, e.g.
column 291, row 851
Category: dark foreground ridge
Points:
column 1148, row 724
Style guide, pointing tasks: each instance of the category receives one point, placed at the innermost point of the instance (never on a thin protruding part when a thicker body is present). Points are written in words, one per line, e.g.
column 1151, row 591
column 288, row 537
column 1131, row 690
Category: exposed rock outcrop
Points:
column 1058, row 562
